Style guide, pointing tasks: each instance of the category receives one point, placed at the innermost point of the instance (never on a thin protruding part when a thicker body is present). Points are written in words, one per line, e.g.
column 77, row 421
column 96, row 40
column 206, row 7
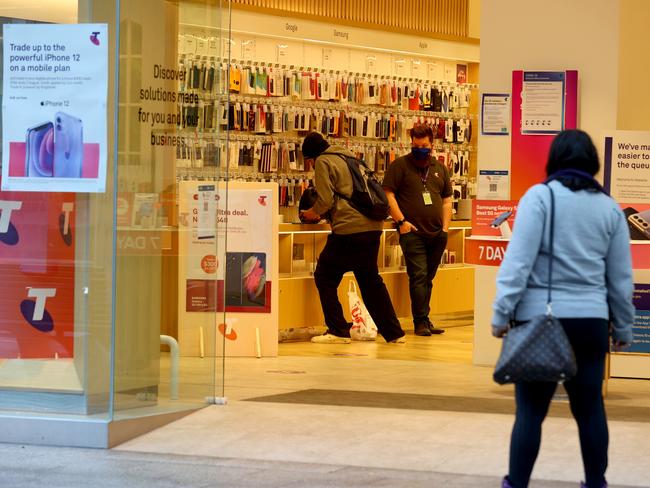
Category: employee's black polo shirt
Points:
column 406, row 180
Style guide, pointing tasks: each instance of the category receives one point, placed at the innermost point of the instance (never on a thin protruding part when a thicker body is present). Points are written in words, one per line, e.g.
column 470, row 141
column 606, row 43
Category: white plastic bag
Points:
column 363, row 327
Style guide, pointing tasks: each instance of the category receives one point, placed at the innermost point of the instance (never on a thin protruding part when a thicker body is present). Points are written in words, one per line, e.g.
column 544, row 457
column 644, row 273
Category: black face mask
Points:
column 421, row 153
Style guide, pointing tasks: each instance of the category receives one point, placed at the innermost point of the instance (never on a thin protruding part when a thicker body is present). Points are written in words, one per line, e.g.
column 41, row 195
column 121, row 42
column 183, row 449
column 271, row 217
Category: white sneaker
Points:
column 328, row 338
column 399, row 340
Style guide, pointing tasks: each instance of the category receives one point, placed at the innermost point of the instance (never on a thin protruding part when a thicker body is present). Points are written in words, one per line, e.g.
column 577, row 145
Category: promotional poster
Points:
column 54, row 107
column 228, row 269
column 627, row 167
column 244, row 276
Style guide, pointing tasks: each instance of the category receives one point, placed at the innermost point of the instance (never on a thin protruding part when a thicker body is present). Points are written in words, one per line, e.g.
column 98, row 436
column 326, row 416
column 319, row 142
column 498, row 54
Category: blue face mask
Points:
column 421, row 153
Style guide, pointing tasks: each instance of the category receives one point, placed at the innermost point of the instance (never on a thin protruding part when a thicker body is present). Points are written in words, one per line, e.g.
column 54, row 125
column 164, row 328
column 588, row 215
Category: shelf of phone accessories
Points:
column 324, row 228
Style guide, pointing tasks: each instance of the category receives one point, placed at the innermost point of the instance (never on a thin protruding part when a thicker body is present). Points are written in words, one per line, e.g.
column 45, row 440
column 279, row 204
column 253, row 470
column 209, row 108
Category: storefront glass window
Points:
column 96, row 289
column 56, row 250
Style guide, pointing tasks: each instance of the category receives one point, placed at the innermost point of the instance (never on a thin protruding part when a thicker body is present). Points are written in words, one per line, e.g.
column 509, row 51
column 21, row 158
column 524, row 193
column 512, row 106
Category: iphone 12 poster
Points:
column 54, row 107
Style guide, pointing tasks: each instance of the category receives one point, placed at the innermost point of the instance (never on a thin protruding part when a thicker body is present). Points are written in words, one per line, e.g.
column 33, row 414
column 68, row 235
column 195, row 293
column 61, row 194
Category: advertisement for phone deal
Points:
column 54, row 107
column 242, row 276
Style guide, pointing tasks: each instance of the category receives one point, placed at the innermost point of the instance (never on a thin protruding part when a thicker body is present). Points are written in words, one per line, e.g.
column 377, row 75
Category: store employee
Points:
column 419, row 193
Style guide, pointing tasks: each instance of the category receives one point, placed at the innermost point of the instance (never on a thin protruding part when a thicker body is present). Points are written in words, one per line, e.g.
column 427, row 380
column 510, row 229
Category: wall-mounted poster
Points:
column 627, row 166
column 495, row 114
column 54, row 107
column 542, row 108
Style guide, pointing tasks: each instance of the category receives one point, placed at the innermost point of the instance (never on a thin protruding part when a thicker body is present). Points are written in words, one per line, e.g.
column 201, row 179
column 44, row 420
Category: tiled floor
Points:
column 427, row 441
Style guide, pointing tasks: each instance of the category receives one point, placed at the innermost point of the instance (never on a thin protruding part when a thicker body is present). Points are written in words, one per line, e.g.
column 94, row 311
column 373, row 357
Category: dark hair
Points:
column 313, row 145
column 573, row 149
column 422, row 131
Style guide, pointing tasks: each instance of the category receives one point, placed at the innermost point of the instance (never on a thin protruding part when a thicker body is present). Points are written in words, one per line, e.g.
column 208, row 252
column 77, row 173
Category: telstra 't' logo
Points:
column 8, row 232
column 94, row 38
column 34, row 311
column 64, row 223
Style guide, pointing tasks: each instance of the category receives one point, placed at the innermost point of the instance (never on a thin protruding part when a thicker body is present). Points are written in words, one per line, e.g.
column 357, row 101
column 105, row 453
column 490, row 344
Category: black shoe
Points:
column 422, row 330
column 436, row 330
column 433, row 329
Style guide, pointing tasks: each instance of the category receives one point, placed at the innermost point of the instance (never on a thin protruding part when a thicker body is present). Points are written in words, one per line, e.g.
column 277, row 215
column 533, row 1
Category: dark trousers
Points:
column 357, row 253
column 422, row 255
column 590, row 341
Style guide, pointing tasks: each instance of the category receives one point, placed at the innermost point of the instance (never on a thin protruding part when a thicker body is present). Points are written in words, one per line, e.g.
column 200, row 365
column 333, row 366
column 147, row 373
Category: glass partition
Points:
column 172, row 91
column 56, row 251
column 110, row 306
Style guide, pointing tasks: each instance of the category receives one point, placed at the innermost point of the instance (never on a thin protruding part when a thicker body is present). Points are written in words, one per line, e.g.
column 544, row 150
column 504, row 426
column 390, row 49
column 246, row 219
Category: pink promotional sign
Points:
column 529, row 151
column 489, row 215
column 37, row 265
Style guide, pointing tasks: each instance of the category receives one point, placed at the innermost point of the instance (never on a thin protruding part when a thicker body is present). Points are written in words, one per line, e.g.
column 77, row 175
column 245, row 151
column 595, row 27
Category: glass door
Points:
column 171, row 187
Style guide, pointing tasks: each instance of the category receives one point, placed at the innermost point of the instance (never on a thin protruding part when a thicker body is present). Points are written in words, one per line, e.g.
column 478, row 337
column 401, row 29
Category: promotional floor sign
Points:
column 228, row 269
column 54, row 107
column 245, row 275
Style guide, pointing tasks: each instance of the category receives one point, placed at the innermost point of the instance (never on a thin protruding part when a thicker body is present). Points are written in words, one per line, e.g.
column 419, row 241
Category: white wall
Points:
column 60, row 11
column 551, row 35
column 634, row 66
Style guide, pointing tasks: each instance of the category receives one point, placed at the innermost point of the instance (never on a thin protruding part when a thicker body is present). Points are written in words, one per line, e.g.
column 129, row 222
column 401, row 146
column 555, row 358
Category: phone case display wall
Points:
column 267, row 108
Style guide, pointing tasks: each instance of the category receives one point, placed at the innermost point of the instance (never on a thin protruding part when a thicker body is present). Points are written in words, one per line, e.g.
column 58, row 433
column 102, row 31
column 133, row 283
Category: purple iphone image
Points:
column 68, row 146
column 39, row 157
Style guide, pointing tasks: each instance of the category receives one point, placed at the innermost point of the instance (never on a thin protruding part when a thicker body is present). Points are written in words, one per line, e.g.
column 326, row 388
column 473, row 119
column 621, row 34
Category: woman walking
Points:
column 592, row 296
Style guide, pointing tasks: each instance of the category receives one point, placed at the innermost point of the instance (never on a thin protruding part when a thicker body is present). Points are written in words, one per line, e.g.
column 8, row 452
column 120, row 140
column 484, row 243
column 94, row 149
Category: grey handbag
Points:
column 539, row 349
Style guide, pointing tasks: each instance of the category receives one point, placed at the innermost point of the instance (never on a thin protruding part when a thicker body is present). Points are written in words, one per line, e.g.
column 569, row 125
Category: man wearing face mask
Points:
column 419, row 193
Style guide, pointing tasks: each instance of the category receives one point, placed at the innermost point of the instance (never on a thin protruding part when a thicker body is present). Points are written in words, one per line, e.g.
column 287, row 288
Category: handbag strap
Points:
column 549, row 309
column 550, row 247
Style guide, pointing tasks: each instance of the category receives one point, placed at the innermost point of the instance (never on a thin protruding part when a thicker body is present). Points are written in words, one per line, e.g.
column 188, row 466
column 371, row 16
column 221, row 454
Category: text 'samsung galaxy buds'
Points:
column 55, row 149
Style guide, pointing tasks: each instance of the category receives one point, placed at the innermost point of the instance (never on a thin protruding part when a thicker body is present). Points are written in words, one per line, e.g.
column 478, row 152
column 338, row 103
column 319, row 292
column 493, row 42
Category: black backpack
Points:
column 368, row 196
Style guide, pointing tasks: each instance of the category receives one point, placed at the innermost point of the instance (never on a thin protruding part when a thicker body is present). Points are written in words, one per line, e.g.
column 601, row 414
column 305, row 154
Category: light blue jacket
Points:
column 592, row 266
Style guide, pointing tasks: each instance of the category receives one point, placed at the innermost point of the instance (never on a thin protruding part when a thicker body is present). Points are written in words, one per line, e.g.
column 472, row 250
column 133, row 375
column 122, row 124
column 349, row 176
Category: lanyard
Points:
column 424, row 177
